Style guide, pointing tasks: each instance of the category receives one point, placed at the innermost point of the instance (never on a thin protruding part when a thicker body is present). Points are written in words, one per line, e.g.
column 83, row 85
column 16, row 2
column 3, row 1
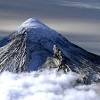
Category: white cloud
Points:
column 80, row 4
column 46, row 85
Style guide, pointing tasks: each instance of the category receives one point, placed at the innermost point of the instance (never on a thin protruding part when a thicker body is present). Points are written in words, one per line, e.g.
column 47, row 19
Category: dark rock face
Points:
column 31, row 47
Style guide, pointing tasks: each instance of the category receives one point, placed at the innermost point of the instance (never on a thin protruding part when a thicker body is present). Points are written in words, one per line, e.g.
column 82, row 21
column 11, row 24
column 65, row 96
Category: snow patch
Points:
column 32, row 23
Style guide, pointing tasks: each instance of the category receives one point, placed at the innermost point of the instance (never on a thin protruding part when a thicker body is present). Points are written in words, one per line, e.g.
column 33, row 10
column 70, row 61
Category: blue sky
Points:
column 52, row 12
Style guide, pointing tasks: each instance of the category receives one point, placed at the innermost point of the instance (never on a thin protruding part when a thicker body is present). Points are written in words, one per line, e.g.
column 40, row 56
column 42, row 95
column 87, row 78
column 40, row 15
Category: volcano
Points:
column 28, row 48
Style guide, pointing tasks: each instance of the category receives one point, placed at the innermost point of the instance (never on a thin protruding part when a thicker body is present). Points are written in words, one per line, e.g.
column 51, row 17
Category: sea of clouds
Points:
column 45, row 85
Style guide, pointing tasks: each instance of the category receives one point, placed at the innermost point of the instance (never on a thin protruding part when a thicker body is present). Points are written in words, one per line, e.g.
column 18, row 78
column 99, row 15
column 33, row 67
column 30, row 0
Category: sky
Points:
column 78, row 20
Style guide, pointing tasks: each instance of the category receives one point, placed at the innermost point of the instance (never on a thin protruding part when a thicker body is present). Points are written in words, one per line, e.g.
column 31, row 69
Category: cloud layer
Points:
column 46, row 85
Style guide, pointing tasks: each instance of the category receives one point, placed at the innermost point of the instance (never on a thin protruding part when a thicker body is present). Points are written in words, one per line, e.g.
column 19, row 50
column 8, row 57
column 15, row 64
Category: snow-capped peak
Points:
column 32, row 23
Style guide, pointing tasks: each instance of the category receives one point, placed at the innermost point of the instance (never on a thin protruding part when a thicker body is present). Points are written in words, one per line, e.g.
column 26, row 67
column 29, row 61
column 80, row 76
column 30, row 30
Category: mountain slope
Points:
column 29, row 47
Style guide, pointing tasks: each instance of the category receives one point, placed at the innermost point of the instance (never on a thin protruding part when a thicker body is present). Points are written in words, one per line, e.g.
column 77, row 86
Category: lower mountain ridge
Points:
column 31, row 48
